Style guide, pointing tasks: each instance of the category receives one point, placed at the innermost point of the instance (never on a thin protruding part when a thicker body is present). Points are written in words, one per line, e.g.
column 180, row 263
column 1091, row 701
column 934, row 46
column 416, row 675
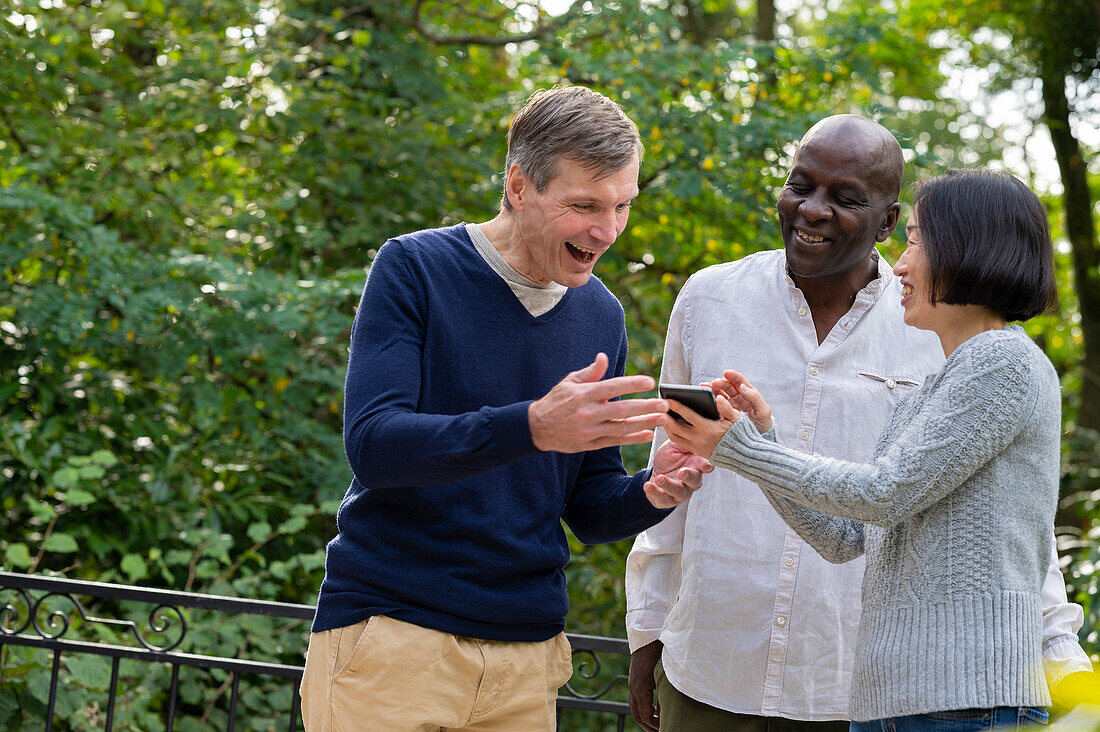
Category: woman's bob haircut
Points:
column 987, row 242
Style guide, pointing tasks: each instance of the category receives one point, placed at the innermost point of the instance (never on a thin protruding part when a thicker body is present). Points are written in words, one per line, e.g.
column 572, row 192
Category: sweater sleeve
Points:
column 974, row 414
column 387, row 441
column 837, row 540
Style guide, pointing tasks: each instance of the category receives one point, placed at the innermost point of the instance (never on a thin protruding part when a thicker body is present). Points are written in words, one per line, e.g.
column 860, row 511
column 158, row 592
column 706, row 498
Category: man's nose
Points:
column 815, row 207
column 605, row 229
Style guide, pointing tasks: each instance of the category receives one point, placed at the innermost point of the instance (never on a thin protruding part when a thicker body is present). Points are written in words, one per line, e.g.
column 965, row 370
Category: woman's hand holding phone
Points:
column 733, row 395
column 695, row 432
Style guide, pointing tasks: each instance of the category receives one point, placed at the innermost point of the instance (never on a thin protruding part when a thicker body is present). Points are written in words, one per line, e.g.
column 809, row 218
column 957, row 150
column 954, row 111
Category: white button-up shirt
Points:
column 752, row 619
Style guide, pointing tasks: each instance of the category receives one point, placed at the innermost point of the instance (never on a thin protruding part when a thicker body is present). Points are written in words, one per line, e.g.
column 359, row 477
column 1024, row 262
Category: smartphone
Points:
column 699, row 398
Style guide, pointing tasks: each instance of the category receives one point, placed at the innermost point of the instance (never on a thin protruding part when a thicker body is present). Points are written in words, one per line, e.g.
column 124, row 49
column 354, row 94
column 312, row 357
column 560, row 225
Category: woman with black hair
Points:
column 955, row 512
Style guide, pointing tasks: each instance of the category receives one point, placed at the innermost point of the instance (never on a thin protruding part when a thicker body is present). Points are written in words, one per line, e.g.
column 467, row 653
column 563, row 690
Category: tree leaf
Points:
column 134, row 567
column 18, row 555
column 60, row 543
column 66, row 477
column 106, row 458
column 90, row 671
column 79, row 497
column 259, row 531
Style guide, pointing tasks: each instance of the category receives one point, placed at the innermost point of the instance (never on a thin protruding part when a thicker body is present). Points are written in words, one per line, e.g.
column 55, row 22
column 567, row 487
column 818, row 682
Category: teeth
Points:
column 811, row 238
column 586, row 251
column 906, row 290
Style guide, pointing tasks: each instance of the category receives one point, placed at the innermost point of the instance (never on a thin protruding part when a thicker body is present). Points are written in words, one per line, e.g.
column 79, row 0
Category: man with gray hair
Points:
column 477, row 418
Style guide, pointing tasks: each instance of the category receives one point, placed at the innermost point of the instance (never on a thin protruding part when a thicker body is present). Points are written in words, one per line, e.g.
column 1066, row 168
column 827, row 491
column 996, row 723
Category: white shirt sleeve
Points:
column 653, row 565
column 1062, row 652
column 653, row 578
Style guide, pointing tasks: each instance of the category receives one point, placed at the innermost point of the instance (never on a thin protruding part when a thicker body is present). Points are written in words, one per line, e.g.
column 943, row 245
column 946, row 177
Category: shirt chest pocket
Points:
column 896, row 384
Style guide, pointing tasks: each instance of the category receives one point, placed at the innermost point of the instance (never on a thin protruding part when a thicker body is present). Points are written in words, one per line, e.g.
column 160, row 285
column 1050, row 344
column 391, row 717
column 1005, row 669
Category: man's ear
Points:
column 518, row 188
column 889, row 222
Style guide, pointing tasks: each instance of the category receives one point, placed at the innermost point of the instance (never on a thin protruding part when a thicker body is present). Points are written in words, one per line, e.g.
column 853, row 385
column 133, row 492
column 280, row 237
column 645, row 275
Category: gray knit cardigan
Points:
column 955, row 514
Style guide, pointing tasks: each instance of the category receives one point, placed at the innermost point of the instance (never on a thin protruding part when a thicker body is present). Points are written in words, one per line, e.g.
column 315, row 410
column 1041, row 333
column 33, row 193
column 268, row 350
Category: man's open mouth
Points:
column 579, row 253
column 808, row 237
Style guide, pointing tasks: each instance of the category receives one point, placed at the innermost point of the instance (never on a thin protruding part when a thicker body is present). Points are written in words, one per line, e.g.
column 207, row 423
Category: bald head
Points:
column 839, row 200
column 879, row 151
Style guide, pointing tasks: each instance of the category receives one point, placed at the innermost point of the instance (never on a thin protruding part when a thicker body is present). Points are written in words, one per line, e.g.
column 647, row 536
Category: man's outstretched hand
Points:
column 578, row 415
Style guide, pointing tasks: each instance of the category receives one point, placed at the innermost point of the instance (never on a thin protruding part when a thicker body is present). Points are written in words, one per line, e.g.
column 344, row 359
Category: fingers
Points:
column 634, row 438
column 619, row 386
column 626, row 408
column 677, row 431
column 672, row 428
column 644, row 713
column 640, row 683
column 657, row 496
column 603, row 389
column 699, row 464
column 664, row 491
column 725, row 409
column 630, row 431
column 592, row 372
column 641, row 708
column 736, row 378
column 753, row 397
column 691, row 478
column 685, row 412
column 670, row 457
column 582, row 413
column 721, row 386
column 750, row 401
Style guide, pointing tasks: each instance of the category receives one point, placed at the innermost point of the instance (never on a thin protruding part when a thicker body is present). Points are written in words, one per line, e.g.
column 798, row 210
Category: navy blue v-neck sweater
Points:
column 453, row 517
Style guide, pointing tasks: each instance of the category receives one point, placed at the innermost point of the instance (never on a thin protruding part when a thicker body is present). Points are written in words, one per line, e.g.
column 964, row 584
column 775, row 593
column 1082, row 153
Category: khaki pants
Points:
column 384, row 675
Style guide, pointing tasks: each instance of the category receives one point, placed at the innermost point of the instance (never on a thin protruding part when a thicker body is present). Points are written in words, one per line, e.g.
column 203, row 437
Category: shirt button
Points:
column 802, row 311
column 814, row 371
column 781, row 620
column 805, row 435
column 890, row 383
column 788, row 561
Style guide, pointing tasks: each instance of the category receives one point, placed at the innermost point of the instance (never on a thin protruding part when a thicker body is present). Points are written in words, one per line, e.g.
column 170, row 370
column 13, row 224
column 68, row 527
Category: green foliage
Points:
column 171, row 420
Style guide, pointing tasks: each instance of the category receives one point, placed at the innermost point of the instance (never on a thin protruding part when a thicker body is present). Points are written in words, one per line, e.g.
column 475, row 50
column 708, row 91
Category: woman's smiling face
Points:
column 912, row 268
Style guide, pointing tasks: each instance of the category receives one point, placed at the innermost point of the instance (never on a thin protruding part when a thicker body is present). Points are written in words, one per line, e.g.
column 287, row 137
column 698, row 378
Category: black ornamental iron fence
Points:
column 91, row 655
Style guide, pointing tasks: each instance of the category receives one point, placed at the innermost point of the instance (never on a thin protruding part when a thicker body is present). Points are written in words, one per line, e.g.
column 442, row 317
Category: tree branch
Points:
column 540, row 31
column 22, row 146
column 645, row 182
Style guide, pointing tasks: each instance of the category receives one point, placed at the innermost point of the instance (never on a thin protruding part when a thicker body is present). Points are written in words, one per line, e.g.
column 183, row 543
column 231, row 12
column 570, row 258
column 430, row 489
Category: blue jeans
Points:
column 958, row 720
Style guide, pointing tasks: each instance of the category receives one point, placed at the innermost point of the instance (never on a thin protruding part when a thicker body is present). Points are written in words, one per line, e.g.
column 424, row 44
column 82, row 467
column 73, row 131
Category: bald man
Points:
column 735, row 623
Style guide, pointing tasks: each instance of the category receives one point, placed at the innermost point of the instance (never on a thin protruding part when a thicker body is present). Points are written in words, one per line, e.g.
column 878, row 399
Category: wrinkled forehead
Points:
column 578, row 179
column 852, row 155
